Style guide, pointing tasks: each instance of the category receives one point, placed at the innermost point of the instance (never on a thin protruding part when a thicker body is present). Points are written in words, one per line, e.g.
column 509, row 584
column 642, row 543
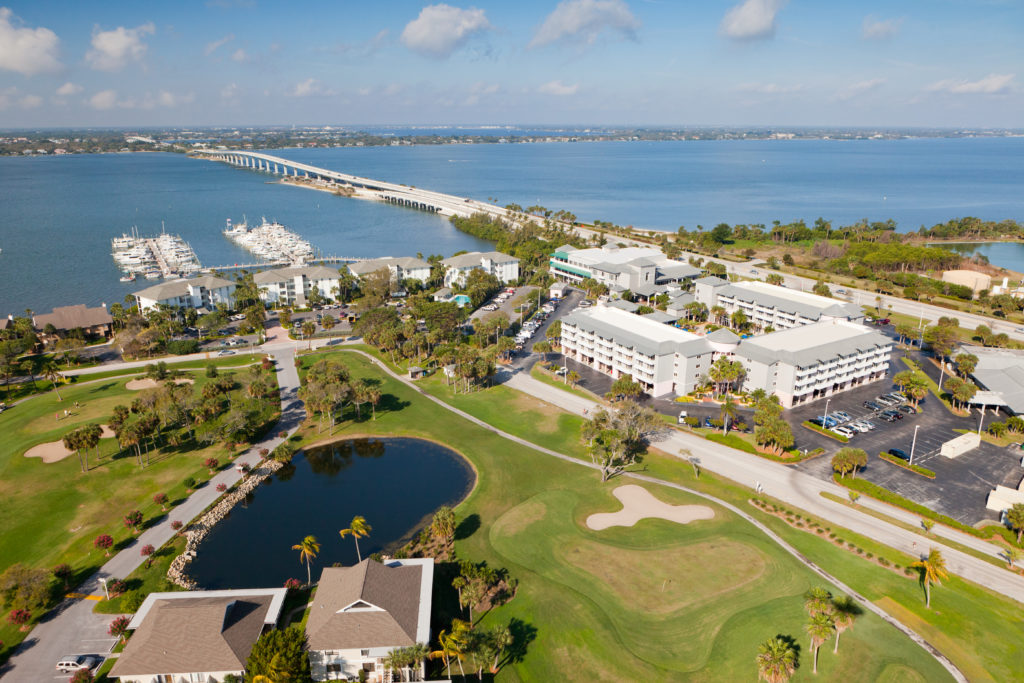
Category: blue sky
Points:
column 949, row 63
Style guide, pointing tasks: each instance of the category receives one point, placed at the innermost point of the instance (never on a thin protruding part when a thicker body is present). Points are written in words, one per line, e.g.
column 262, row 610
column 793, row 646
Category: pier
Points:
column 362, row 188
column 285, row 264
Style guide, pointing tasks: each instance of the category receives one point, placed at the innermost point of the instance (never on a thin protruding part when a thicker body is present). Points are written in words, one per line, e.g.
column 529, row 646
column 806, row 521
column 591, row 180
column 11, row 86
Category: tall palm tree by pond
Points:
column 308, row 550
column 776, row 660
column 358, row 529
column 933, row 570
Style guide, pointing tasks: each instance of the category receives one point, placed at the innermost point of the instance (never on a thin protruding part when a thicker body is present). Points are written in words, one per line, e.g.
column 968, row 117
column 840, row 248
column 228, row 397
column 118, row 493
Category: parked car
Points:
column 899, row 454
column 867, row 423
column 890, row 415
column 70, row 663
column 871, row 405
column 857, row 426
column 844, row 431
column 840, row 415
column 886, row 401
column 897, row 396
column 226, row 352
column 907, row 409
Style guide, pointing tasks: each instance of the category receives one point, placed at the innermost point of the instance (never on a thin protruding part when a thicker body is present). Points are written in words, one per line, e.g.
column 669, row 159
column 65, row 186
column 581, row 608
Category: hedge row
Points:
column 827, row 432
column 917, row 469
column 886, row 496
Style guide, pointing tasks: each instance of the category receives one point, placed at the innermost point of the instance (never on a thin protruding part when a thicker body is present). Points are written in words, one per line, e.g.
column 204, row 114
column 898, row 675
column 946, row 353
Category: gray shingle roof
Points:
column 70, row 317
column 339, row 621
column 194, row 635
column 176, row 288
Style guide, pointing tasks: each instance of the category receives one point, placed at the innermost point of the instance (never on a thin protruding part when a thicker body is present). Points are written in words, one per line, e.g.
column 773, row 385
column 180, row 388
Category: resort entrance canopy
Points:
column 989, row 399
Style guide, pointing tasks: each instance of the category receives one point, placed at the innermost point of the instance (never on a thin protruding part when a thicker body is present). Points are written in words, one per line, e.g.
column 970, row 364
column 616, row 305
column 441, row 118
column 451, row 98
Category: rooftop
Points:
column 403, row 262
column 176, row 288
column 809, row 345
column 789, row 300
column 372, row 605
column 70, row 317
column 282, row 274
column 627, row 329
column 1001, row 371
column 475, row 258
column 197, row 631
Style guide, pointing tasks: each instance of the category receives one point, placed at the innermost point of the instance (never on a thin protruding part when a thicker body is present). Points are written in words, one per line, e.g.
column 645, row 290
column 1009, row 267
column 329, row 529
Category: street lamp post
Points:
column 103, row 580
column 913, row 444
column 981, row 418
column 824, row 420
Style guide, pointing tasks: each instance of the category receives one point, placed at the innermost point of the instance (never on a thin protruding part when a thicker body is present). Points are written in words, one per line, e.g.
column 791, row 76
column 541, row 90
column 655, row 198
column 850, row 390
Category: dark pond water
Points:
column 396, row 484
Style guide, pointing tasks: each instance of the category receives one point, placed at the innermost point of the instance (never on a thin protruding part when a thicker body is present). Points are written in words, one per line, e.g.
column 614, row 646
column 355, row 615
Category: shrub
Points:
column 104, row 542
column 691, row 421
column 133, row 520
column 147, row 550
column 181, row 347
column 292, row 584
column 189, row 483
column 132, row 601
column 284, row 452
column 917, row 469
column 117, row 586
column 18, row 617
column 264, row 452
column 211, row 370
column 221, row 488
column 161, row 500
column 82, row 676
column 63, row 573
column 119, row 627
column 176, row 525
column 212, row 464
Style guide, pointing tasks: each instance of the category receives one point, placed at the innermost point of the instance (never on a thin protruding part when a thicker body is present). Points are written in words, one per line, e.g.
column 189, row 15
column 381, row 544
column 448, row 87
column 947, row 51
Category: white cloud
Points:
column 559, row 88
column 217, row 44
column 861, row 87
column 112, row 50
column 989, row 85
column 69, row 88
column 169, row 99
column 105, row 99
column 585, row 20
column 751, row 19
column 26, row 50
column 241, row 56
column 30, row 101
column 230, row 91
column 441, row 29
column 769, row 88
column 879, row 29
column 310, row 88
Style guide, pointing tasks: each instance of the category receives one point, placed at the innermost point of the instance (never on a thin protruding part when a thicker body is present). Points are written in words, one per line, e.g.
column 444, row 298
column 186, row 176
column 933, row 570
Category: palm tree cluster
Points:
column 849, row 460
column 960, row 390
column 83, row 440
column 328, row 388
column 617, row 439
column 772, row 432
column 477, row 585
column 725, row 373
column 828, row 616
column 913, row 383
column 406, row 661
column 479, row 648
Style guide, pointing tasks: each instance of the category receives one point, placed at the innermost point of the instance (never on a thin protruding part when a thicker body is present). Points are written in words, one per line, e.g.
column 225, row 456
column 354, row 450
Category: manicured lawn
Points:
column 548, row 378
column 659, row 601
column 51, row 513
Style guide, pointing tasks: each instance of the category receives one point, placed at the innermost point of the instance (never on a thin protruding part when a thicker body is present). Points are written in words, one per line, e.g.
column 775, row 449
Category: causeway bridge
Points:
column 363, row 188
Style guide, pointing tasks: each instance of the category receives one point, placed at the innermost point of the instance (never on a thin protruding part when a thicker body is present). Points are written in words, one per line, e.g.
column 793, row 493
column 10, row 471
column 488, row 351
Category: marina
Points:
column 271, row 242
column 164, row 255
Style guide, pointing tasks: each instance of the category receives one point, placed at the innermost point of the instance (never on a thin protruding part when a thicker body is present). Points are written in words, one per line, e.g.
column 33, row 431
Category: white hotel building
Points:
column 502, row 266
column 797, row 365
column 773, row 306
column 293, row 286
column 199, row 293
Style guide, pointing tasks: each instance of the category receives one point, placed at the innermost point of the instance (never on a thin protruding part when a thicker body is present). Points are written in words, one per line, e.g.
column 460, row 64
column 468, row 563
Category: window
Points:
column 364, row 653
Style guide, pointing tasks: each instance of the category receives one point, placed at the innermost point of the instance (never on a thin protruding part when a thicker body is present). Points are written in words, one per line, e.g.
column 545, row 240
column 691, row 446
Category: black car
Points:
column 907, row 409
column 896, row 452
column 871, row 405
column 894, row 414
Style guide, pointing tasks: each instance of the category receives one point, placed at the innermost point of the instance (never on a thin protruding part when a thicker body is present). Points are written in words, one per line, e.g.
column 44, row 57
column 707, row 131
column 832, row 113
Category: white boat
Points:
column 128, row 278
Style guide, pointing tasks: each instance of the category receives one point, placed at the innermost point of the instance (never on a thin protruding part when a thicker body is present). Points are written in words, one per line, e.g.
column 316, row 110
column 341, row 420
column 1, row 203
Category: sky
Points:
column 836, row 63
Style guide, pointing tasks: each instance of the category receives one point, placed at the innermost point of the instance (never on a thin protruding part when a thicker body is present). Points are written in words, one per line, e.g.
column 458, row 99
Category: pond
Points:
column 395, row 483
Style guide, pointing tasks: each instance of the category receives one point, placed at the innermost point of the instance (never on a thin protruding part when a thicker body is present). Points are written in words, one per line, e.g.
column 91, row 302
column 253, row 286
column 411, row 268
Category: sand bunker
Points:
column 149, row 383
column 638, row 503
column 54, row 451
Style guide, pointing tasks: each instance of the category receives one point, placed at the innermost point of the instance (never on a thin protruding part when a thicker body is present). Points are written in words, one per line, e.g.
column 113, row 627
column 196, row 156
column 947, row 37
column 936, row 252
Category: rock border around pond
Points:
column 177, row 573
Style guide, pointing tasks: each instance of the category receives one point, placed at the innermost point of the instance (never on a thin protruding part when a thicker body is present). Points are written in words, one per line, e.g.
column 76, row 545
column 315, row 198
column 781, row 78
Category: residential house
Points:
column 362, row 613
column 200, row 293
column 196, row 636
column 94, row 322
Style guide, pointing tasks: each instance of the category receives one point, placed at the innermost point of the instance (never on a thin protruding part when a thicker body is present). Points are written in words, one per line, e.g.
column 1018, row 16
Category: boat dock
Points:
column 281, row 264
column 272, row 242
column 153, row 257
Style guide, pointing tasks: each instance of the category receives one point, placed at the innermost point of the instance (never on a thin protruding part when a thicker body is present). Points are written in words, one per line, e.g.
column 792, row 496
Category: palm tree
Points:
column 452, row 645
column 933, row 570
column 776, row 660
column 817, row 601
column 572, row 377
column 844, row 611
column 51, row 372
column 358, row 529
column 308, row 550
column 1015, row 518
column 727, row 412
column 443, row 524
column 819, row 628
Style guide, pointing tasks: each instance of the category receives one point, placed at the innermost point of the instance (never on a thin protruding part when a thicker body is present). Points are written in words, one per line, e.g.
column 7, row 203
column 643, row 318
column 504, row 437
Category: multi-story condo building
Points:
column 502, row 266
column 401, row 268
column 772, row 306
column 293, row 286
column 205, row 292
column 797, row 365
column 637, row 269
column 812, row 361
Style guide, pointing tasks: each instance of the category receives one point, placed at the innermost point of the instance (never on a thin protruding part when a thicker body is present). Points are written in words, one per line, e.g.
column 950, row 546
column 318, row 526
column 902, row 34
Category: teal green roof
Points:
column 560, row 265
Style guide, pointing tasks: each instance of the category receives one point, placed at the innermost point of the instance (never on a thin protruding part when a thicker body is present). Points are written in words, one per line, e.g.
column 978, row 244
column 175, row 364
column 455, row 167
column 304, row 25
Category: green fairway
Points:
column 658, row 601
